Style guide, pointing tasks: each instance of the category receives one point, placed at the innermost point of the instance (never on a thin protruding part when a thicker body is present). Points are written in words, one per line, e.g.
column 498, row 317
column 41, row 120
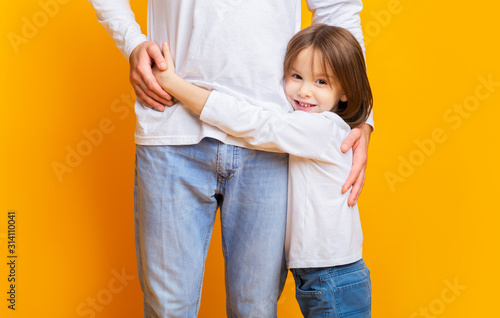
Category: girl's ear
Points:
column 343, row 98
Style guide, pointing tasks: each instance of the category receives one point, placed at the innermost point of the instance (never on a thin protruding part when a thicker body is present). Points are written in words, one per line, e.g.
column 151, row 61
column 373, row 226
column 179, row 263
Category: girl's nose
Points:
column 304, row 91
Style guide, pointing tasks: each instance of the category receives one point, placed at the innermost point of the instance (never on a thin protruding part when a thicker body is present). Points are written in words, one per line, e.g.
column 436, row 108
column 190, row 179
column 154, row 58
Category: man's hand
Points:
column 358, row 140
column 145, row 85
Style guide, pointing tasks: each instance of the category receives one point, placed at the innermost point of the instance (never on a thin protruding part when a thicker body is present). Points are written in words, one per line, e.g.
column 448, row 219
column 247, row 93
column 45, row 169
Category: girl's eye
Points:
column 321, row 82
column 296, row 76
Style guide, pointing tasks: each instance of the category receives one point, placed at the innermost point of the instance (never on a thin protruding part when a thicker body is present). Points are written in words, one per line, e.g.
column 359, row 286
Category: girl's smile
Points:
column 301, row 105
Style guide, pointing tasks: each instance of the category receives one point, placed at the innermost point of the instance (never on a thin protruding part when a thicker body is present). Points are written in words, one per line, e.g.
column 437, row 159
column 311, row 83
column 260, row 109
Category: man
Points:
column 185, row 169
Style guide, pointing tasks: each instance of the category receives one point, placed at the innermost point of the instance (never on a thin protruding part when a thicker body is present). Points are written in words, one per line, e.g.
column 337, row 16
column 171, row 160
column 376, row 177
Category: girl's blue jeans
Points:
column 339, row 291
column 177, row 192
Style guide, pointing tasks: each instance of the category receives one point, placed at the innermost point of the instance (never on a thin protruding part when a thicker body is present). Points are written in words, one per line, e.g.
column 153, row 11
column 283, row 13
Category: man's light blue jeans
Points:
column 177, row 192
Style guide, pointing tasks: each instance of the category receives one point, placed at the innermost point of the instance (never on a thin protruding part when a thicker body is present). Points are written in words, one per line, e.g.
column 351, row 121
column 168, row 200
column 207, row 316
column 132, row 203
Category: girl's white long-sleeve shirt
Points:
column 236, row 47
column 321, row 230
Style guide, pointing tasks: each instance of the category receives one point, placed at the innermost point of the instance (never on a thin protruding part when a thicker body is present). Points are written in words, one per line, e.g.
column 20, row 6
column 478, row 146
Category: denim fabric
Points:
column 339, row 291
column 177, row 192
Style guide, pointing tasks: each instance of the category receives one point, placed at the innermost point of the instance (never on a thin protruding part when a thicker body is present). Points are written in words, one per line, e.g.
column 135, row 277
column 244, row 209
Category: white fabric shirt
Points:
column 321, row 229
column 236, row 47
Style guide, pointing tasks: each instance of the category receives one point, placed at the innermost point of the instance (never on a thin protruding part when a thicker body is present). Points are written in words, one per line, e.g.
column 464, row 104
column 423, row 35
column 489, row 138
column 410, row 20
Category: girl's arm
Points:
column 316, row 136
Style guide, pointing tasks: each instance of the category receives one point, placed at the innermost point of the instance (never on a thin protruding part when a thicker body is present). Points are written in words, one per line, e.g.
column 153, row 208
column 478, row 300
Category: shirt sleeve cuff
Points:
column 209, row 112
column 370, row 121
column 132, row 45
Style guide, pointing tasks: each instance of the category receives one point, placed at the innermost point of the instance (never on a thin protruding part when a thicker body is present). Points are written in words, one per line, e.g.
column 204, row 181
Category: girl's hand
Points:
column 168, row 77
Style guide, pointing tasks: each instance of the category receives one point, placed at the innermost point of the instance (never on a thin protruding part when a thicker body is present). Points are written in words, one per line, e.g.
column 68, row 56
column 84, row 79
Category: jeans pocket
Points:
column 353, row 294
column 313, row 296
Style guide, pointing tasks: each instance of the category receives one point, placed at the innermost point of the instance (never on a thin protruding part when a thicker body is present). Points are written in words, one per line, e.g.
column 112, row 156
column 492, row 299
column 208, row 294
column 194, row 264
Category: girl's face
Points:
column 311, row 90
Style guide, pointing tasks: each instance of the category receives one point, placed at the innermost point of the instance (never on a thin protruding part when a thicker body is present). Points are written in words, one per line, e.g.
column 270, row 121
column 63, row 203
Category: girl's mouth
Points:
column 303, row 105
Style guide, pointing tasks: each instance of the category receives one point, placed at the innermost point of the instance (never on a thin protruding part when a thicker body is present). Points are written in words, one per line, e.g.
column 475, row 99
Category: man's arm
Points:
column 345, row 13
column 119, row 21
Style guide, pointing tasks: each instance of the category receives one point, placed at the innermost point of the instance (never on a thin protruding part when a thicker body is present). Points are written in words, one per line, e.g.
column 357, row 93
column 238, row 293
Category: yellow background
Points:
column 429, row 223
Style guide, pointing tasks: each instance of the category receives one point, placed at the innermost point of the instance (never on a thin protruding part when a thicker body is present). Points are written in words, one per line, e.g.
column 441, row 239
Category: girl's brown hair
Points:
column 343, row 57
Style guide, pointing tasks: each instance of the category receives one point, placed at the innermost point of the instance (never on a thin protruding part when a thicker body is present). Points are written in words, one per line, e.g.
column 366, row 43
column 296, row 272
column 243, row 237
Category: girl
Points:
column 327, row 85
